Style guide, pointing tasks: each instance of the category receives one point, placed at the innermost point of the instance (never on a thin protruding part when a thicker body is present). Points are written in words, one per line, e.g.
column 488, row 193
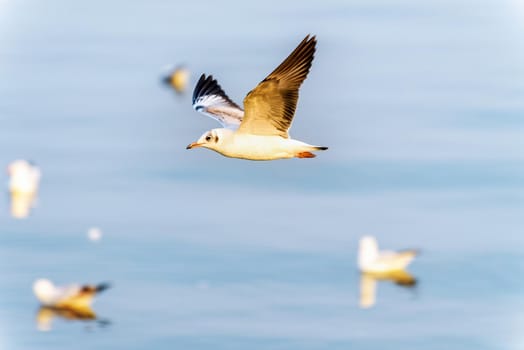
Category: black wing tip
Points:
column 102, row 286
column 310, row 38
column 297, row 64
column 198, row 87
column 207, row 85
column 308, row 43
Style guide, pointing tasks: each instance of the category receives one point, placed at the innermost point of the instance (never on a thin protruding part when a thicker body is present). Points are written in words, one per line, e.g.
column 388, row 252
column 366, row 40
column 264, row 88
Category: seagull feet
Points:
column 305, row 155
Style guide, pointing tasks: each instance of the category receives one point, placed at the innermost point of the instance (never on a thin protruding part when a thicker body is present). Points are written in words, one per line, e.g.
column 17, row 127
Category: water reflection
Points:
column 24, row 180
column 46, row 315
column 369, row 282
column 21, row 204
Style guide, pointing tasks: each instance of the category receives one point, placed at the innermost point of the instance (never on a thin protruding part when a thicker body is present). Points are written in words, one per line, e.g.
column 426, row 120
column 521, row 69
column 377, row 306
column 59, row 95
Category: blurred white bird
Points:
column 261, row 132
column 178, row 79
column 73, row 296
column 371, row 260
column 24, row 177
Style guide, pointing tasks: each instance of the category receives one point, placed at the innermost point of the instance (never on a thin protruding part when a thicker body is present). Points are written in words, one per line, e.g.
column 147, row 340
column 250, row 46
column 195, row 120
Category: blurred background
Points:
column 421, row 104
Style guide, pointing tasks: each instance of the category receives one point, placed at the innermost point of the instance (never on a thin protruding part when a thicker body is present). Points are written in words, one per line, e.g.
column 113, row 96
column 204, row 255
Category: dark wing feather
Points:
column 211, row 100
column 270, row 107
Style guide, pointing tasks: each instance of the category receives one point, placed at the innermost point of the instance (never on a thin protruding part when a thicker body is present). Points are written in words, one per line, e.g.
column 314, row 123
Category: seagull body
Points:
column 75, row 296
column 257, row 147
column 24, row 177
column 371, row 260
column 261, row 131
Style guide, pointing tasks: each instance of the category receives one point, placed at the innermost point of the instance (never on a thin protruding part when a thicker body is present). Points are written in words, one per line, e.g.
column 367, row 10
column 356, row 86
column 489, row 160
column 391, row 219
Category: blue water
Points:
column 421, row 104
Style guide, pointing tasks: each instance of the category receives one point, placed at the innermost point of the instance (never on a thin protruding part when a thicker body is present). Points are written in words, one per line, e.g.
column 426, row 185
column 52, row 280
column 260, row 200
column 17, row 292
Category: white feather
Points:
column 370, row 259
column 210, row 100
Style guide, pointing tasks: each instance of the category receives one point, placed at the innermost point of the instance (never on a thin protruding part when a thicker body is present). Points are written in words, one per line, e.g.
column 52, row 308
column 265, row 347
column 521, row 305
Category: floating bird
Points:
column 178, row 79
column 371, row 260
column 24, row 177
column 75, row 297
column 261, row 131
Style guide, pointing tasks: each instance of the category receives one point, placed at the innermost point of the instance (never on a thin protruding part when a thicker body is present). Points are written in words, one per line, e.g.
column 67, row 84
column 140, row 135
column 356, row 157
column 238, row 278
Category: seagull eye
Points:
column 208, row 138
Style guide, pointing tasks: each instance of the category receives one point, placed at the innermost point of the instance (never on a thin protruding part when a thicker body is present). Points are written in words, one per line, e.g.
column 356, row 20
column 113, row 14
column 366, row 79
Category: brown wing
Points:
column 270, row 107
column 83, row 296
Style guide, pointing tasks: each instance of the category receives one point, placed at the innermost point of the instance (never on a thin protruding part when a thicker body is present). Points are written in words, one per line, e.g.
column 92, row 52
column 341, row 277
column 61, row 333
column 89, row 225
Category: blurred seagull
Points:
column 178, row 79
column 371, row 260
column 261, row 131
column 24, row 177
column 75, row 297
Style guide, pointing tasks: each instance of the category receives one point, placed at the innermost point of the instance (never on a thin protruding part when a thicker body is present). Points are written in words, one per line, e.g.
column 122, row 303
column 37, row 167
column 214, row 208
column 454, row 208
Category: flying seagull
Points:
column 260, row 132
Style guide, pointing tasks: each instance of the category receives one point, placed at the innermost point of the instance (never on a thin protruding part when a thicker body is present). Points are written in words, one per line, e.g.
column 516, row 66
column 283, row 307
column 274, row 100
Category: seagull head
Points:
column 44, row 290
column 211, row 139
column 367, row 251
column 18, row 167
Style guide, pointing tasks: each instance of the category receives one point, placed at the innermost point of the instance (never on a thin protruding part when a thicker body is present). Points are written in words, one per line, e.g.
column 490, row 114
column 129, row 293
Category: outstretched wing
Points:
column 271, row 105
column 211, row 100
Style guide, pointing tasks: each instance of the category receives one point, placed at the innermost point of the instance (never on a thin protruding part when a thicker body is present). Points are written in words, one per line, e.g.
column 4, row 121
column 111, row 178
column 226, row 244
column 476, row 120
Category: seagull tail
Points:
column 320, row 148
column 102, row 286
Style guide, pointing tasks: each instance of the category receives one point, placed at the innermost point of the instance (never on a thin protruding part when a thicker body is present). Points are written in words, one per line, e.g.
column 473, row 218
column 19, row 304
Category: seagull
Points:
column 261, row 131
column 373, row 261
column 178, row 79
column 75, row 296
column 24, row 177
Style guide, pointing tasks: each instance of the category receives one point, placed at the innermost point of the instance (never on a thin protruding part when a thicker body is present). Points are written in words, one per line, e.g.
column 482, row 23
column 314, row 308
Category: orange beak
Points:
column 193, row 145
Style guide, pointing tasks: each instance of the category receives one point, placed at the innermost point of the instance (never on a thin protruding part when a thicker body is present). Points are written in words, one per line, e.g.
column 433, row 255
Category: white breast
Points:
column 257, row 147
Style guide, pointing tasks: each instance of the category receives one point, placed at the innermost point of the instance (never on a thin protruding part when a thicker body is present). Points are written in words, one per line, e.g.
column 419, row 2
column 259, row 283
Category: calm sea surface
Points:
column 421, row 104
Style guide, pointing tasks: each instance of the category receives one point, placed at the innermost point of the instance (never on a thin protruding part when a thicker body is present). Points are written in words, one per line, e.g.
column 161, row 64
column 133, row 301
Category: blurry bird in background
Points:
column 74, row 296
column 71, row 302
column 24, row 181
column 24, row 176
column 177, row 78
column 376, row 265
column 372, row 260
